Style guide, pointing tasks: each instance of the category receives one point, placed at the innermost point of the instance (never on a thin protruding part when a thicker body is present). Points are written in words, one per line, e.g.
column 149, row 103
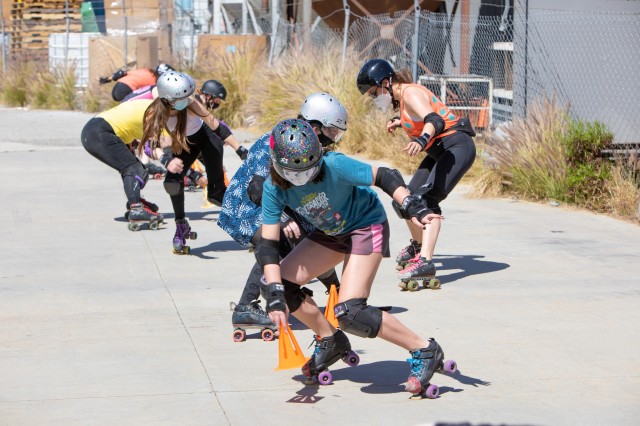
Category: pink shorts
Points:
column 367, row 240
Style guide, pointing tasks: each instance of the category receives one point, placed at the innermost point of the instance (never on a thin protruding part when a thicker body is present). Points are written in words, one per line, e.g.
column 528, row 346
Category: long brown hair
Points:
column 402, row 76
column 155, row 123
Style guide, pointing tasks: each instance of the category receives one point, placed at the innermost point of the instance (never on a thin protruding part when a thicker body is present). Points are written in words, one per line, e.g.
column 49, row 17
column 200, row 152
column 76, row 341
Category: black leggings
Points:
column 100, row 140
column 443, row 167
column 120, row 91
column 206, row 142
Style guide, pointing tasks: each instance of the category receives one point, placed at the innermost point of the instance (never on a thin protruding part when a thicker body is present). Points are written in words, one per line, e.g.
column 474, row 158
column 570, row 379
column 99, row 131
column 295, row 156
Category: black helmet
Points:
column 215, row 89
column 372, row 73
column 162, row 68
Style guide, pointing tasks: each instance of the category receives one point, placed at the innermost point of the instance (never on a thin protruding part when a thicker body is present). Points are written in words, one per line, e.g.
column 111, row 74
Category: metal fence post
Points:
column 4, row 40
column 275, row 17
column 345, row 31
column 414, row 47
column 124, row 17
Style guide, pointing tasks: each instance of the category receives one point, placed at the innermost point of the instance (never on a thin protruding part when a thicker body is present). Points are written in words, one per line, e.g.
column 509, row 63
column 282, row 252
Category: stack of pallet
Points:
column 33, row 20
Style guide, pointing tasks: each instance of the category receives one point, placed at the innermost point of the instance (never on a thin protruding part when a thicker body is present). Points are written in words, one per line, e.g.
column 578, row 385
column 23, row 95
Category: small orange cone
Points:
column 206, row 204
column 289, row 352
column 331, row 303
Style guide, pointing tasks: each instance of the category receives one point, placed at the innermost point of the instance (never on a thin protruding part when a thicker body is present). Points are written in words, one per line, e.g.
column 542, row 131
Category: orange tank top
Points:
column 413, row 126
column 139, row 78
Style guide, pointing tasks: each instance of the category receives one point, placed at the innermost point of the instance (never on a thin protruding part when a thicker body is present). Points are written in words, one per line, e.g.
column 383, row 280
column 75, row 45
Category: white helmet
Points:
column 329, row 112
column 174, row 85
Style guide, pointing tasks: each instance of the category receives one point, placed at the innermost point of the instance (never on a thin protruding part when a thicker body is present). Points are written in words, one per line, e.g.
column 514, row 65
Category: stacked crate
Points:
column 143, row 16
column 33, row 20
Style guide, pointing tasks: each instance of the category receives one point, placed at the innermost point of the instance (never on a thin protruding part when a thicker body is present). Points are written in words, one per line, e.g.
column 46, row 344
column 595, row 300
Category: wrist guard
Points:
column 423, row 141
column 395, row 117
column 148, row 151
column 275, row 297
column 118, row 74
column 242, row 152
column 166, row 159
column 412, row 204
column 104, row 80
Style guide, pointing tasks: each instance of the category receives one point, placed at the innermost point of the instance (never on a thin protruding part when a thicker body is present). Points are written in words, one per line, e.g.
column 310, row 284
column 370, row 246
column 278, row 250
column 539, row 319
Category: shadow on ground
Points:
column 467, row 265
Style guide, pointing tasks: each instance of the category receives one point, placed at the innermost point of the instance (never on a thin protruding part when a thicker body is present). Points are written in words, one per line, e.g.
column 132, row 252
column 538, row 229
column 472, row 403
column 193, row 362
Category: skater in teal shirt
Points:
column 333, row 192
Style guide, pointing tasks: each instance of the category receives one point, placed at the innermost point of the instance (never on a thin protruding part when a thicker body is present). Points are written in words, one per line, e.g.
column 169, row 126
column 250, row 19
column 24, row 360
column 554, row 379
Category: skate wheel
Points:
column 352, row 359
column 432, row 391
column 268, row 335
column 403, row 285
column 191, row 188
column 186, row 250
column 193, row 235
column 325, row 378
column 239, row 335
column 399, row 267
column 412, row 285
column 134, row 226
column 157, row 176
column 433, row 284
column 153, row 226
column 450, row 366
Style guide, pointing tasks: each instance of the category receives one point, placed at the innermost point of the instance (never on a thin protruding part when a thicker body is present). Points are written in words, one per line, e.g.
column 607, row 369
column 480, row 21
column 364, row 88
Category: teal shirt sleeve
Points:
column 272, row 206
column 352, row 171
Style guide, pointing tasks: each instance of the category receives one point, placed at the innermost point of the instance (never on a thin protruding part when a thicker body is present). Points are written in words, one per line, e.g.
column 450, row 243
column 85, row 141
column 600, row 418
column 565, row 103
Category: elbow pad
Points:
column 267, row 252
column 436, row 121
column 222, row 131
column 389, row 180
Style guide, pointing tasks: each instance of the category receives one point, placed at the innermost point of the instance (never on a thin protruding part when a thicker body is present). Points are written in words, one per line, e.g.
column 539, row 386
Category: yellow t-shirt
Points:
column 127, row 119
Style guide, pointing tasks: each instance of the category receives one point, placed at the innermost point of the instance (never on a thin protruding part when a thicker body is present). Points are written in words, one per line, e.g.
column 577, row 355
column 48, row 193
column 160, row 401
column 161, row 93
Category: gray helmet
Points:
column 162, row 68
column 326, row 109
column 294, row 147
column 174, row 85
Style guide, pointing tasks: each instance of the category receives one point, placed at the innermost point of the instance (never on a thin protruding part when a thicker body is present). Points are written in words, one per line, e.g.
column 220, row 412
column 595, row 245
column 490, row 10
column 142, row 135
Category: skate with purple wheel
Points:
column 183, row 232
column 327, row 352
column 424, row 363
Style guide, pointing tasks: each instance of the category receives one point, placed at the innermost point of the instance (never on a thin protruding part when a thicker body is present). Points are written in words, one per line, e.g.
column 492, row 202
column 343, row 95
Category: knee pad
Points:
column 432, row 197
column 138, row 172
column 356, row 317
column 174, row 187
column 295, row 294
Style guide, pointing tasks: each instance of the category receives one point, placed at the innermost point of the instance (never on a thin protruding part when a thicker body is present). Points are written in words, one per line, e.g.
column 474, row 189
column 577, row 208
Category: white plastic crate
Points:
column 71, row 50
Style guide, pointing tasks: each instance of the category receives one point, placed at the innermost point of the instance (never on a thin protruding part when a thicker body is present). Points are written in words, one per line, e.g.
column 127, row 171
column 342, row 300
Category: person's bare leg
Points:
column 429, row 238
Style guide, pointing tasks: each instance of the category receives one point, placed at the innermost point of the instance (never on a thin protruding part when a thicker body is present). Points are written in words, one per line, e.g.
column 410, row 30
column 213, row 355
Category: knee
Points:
column 356, row 317
column 138, row 172
column 295, row 294
column 173, row 187
column 432, row 197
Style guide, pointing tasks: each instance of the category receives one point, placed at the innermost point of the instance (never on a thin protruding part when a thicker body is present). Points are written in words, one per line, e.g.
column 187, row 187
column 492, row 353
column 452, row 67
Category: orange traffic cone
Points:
column 205, row 203
column 289, row 352
column 331, row 303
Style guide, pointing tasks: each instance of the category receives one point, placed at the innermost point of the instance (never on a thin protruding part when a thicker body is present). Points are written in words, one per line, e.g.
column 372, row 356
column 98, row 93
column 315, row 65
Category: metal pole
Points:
column 526, row 54
column 345, row 31
column 274, row 27
column 4, row 39
column 66, row 38
column 414, row 48
column 124, row 20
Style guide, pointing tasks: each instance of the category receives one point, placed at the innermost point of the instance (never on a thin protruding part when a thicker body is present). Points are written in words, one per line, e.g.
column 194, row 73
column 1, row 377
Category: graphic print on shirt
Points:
column 316, row 209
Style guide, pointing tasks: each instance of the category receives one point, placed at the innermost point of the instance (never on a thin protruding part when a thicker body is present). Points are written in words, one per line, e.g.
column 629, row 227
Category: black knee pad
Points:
column 173, row 187
column 432, row 197
column 295, row 294
column 139, row 173
column 356, row 317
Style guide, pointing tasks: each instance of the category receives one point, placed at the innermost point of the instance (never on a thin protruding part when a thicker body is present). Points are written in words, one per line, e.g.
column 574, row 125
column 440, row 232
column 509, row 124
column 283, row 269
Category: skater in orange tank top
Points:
column 445, row 138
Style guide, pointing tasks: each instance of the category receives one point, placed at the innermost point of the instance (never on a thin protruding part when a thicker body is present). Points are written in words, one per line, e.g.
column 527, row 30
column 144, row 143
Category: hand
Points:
column 279, row 318
column 291, row 229
column 103, row 80
column 175, row 166
column 393, row 124
column 427, row 219
column 202, row 181
column 412, row 148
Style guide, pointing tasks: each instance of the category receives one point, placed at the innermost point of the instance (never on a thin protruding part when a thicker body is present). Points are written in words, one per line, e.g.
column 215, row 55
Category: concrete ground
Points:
column 103, row 326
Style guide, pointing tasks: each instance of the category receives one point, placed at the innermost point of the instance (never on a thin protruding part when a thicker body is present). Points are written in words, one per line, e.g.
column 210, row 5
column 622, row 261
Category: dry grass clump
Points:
column 278, row 91
column 30, row 84
column 235, row 71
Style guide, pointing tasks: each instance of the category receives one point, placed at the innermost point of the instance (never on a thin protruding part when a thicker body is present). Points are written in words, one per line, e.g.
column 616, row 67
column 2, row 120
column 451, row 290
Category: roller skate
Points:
column 328, row 351
column 424, row 363
column 417, row 269
column 147, row 205
column 183, row 232
column 407, row 253
column 157, row 171
column 139, row 215
column 251, row 316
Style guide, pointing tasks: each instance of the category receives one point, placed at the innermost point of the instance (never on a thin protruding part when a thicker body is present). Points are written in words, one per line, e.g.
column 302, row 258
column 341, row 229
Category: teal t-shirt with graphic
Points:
column 341, row 203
